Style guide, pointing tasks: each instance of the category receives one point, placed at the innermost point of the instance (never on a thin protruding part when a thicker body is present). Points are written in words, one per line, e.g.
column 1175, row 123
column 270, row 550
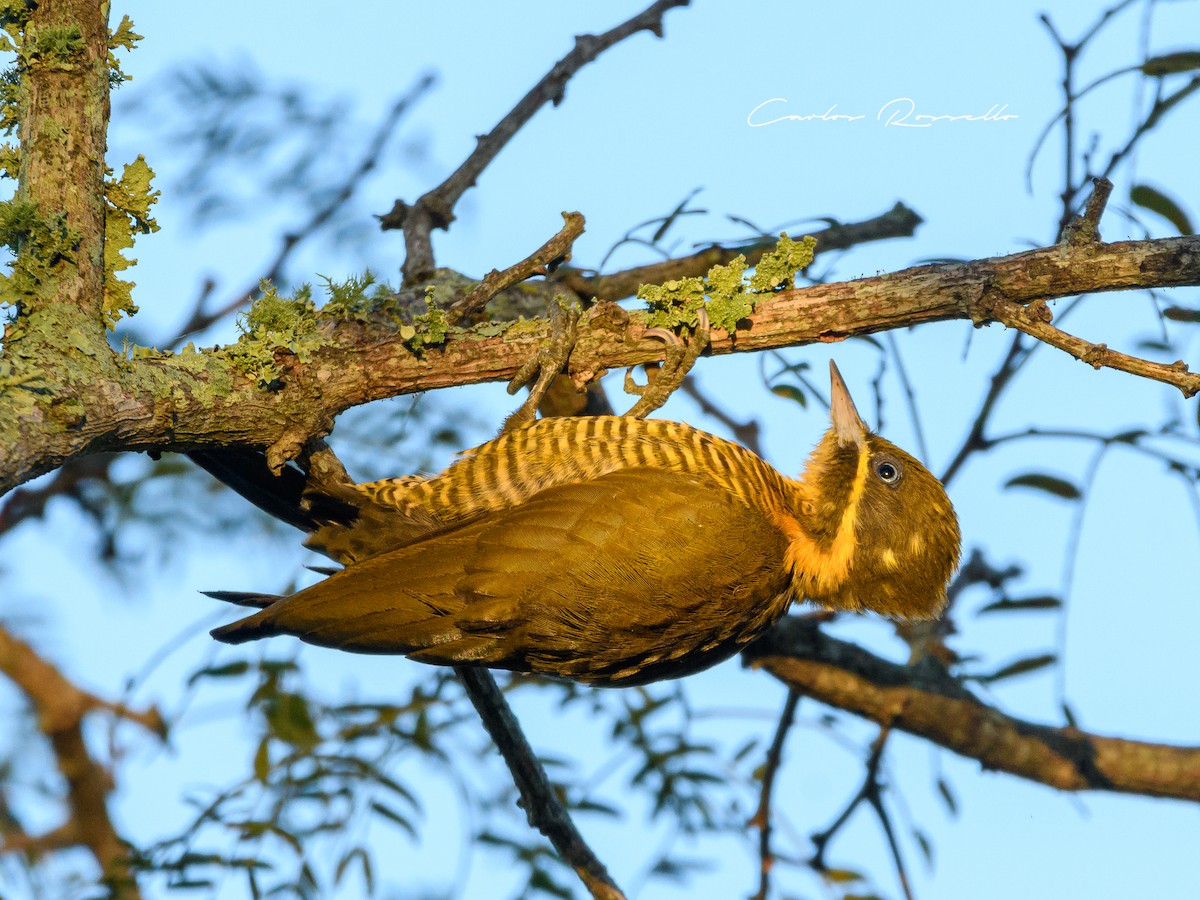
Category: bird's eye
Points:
column 888, row 470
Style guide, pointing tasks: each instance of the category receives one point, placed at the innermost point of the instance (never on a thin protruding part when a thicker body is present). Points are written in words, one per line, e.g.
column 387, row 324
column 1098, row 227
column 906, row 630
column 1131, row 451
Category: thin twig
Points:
column 542, row 806
column 762, row 817
column 435, row 209
column 975, row 439
column 1085, row 228
column 540, row 262
column 910, row 395
column 875, row 799
column 1035, row 321
column 871, row 792
column 1070, row 559
column 200, row 319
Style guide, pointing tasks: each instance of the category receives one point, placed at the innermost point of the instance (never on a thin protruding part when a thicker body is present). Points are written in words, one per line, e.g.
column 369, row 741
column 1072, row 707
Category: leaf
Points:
column 842, row 876
column 1069, row 715
column 1171, row 63
column 1151, row 345
column 229, row 670
column 394, row 817
column 1021, row 604
column 1050, row 484
column 1159, row 203
column 746, row 749
column 262, row 761
column 358, row 853
column 791, row 392
column 290, row 720
column 948, row 797
column 923, row 842
column 1020, row 667
column 1181, row 314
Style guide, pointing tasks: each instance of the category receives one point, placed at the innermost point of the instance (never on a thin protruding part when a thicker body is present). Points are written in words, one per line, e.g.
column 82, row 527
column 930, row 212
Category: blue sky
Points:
column 639, row 129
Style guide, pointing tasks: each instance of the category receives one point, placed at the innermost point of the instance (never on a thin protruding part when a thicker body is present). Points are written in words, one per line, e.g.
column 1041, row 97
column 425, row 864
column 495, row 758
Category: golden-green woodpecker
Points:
column 614, row 551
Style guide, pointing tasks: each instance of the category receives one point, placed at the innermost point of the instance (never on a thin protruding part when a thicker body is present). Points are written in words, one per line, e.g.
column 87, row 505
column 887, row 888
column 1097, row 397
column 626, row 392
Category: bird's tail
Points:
column 252, row 627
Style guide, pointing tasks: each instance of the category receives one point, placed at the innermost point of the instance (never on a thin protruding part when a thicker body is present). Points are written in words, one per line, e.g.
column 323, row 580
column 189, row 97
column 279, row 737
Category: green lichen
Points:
column 674, row 302
column 127, row 215
column 428, row 329
column 10, row 105
column 491, row 329
column 777, row 268
column 10, row 160
column 38, row 242
column 275, row 324
column 56, row 45
column 432, row 325
column 13, row 16
column 731, row 296
column 123, row 37
column 360, row 297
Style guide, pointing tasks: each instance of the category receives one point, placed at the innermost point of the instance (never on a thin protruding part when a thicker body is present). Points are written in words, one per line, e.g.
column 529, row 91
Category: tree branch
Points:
column 172, row 403
column 435, row 209
column 61, row 708
column 762, row 817
column 542, row 806
column 537, row 263
column 1034, row 320
column 899, row 221
column 928, row 702
column 201, row 318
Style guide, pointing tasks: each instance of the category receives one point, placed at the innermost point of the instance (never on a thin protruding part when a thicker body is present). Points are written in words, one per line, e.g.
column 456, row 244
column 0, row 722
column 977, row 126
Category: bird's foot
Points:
column 546, row 364
column 681, row 356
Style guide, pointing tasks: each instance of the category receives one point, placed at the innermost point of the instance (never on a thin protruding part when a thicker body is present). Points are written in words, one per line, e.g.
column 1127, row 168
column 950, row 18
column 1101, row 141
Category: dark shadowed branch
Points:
column 762, row 817
column 542, row 806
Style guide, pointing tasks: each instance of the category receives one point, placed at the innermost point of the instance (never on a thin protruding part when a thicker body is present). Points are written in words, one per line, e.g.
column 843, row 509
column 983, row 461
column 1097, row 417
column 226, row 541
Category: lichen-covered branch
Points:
column 926, row 701
column 194, row 399
column 897, row 222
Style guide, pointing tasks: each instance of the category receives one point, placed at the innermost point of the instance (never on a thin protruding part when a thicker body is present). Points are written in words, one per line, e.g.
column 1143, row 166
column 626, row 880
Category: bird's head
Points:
column 881, row 532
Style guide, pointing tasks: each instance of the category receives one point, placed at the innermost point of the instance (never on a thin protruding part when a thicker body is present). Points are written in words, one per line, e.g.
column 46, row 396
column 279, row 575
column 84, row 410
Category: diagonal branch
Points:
column 1035, row 321
column 538, row 263
column 201, row 318
column 542, row 806
column 762, row 817
column 435, row 209
column 61, row 708
column 899, row 221
column 926, row 701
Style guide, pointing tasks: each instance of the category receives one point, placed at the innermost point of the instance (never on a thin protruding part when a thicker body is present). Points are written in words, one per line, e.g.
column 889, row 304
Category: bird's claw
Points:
column 546, row 364
column 665, row 379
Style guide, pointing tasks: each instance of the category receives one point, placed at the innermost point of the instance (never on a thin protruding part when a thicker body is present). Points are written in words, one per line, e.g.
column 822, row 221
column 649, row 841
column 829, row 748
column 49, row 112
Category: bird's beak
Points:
column 846, row 422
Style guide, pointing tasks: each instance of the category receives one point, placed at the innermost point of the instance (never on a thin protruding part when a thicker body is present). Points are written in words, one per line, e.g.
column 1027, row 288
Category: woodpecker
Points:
column 608, row 550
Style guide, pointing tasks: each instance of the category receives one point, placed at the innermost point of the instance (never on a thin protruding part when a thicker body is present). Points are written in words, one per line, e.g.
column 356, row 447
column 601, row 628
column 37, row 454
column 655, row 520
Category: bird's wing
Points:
column 586, row 580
